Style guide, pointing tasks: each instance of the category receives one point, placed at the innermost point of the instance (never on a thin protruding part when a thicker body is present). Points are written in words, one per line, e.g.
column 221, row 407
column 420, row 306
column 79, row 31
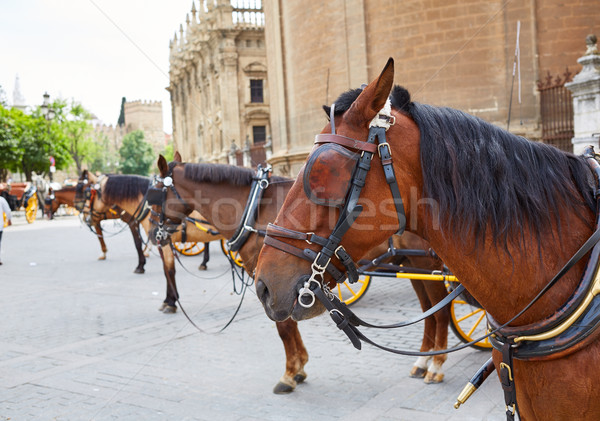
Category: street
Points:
column 82, row 339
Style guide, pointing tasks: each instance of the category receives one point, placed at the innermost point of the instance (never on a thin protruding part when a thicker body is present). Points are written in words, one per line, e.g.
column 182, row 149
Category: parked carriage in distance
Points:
column 22, row 196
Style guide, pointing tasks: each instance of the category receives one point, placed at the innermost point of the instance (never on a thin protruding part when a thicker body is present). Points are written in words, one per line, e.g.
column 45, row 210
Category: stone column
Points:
column 585, row 90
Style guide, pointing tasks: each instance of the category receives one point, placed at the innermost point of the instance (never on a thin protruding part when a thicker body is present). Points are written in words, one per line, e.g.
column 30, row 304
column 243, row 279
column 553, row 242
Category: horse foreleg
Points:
column 436, row 291
column 169, row 305
column 100, row 236
column 295, row 354
column 205, row 257
column 420, row 367
column 137, row 239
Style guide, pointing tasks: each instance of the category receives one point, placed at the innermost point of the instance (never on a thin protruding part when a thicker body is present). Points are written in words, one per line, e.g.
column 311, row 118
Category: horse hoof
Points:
column 282, row 389
column 102, row 258
column 418, row 372
column 139, row 270
column 162, row 306
column 169, row 309
column 434, row 378
column 300, row 377
column 202, row 267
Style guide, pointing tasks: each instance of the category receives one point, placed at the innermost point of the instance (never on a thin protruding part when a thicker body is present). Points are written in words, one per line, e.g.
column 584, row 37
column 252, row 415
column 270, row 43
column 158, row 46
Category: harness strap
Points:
column 507, row 381
column 184, row 232
column 259, row 185
column 347, row 142
column 390, row 176
column 305, row 254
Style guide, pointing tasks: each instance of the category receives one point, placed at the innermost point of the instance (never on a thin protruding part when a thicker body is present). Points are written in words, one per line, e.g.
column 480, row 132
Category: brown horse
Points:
column 220, row 192
column 503, row 213
column 83, row 194
column 62, row 196
column 119, row 196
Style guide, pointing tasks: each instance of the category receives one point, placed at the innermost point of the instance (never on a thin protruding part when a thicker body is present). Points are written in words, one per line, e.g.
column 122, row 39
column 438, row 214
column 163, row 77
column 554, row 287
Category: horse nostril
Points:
column 262, row 291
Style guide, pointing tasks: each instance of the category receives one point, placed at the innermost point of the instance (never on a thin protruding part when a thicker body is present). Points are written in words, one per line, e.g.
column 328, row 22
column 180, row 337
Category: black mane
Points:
column 479, row 174
column 399, row 97
column 222, row 173
column 124, row 187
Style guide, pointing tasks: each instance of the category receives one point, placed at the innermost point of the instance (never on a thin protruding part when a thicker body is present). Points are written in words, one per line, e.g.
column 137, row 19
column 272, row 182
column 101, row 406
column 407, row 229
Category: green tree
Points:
column 168, row 152
column 136, row 154
column 121, row 120
column 36, row 140
column 78, row 134
column 10, row 153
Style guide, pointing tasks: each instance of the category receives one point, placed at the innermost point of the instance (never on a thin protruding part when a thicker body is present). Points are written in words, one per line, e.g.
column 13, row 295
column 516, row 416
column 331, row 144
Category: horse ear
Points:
column 374, row 96
column 177, row 157
column 163, row 167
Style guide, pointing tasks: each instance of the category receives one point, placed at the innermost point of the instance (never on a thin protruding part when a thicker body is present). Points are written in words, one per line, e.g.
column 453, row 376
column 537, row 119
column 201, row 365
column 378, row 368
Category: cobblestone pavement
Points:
column 82, row 339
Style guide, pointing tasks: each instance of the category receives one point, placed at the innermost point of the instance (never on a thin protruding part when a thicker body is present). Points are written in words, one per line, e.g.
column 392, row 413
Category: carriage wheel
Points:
column 189, row 248
column 31, row 209
column 468, row 322
column 234, row 255
column 350, row 293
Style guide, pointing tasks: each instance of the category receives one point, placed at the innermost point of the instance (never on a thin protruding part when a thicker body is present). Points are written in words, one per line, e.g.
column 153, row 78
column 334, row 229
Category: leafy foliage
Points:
column 168, row 152
column 136, row 154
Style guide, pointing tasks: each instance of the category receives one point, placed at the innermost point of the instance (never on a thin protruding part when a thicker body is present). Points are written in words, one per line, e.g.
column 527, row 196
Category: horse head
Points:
column 168, row 209
column 320, row 204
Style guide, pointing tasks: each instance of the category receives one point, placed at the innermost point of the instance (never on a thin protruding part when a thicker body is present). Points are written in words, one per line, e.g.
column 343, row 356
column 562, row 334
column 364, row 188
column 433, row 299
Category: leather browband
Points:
column 346, row 142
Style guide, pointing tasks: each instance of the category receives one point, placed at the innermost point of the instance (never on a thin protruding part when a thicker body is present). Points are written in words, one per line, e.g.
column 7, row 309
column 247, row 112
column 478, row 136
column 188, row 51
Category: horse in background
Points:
column 118, row 197
column 216, row 182
column 55, row 198
column 83, row 193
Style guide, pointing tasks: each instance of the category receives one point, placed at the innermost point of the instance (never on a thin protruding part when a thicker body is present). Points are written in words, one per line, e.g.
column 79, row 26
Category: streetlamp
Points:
column 47, row 111
column 49, row 114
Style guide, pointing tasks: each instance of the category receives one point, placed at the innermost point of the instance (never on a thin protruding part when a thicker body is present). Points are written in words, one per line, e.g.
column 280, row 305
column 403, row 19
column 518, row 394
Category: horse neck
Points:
column 223, row 205
column 220, row 204
column 503, row 281
column 65, row 196
column 504, row 284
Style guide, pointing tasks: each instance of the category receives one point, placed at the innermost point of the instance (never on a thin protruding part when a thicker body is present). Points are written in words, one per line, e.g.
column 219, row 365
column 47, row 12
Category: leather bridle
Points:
column 331, row 246
column 158, row 196
column 165, row 227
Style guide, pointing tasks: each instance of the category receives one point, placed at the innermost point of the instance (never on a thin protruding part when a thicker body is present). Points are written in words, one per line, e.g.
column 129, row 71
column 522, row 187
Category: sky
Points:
column 91, row 51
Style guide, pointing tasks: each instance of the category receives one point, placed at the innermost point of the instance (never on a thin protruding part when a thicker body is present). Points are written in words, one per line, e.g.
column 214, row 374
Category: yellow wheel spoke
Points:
column 471, row 314
column 476, row 324
column 347, row 285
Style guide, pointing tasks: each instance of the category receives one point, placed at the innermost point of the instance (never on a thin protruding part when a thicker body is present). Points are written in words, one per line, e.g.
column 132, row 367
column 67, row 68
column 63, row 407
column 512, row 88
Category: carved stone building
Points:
column 218, row 82
column 449, row 53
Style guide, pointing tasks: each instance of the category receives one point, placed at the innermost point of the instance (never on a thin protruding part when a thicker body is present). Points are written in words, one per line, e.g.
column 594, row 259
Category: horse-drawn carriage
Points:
column 22, row 196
